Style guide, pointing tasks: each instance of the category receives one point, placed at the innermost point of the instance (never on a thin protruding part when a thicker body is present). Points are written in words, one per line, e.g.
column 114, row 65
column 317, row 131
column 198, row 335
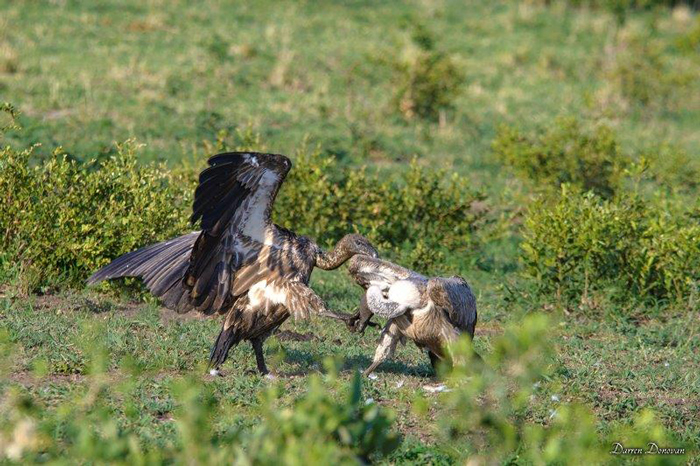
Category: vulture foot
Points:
column 358, row 322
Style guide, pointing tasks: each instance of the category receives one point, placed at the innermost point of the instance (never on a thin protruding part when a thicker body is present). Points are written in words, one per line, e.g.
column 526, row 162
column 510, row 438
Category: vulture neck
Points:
column 333, row 259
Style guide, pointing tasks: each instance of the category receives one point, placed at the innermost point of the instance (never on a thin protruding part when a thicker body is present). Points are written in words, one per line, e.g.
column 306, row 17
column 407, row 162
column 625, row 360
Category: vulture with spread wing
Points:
column 240, row 264
column 430, row 311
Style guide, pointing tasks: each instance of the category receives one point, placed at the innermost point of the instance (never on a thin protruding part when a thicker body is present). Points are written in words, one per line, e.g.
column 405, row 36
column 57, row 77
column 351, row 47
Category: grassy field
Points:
column 177, row 76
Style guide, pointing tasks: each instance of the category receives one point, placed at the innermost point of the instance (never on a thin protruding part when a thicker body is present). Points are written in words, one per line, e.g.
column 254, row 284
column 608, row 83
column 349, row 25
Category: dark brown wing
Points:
column 161, row 266
column 368, row 271
column 233, row 200
column 454, row 297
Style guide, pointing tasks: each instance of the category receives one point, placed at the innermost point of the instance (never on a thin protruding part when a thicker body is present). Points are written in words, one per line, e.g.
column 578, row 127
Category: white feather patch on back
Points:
column 262, row 294
column 275, row 295
column 256, row 294
column 405, row 293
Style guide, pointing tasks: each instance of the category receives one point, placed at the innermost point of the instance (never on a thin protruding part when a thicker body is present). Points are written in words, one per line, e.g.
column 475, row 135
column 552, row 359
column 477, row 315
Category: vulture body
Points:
column 240, row 265
column 430, row 311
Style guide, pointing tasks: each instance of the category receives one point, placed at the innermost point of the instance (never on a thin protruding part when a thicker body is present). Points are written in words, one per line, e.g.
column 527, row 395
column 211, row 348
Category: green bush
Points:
column 98, row 424
column 486, row 417
column 62, row 219
column 426, row 85
column 641, row 74
column 578, row 242
column 421, row 209
column 566, row 152
column 320, row 430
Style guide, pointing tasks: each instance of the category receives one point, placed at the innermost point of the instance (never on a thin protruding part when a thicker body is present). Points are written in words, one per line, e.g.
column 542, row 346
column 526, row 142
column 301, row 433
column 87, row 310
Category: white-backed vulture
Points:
column 430, row 311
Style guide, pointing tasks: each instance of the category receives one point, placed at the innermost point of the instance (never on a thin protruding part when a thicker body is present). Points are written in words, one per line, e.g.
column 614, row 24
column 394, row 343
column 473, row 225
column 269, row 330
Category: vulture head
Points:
column 358, row 245
column 349, row 246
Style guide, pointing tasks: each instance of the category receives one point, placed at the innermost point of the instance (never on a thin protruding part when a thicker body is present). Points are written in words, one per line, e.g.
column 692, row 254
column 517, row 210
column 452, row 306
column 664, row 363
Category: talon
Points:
column 351, row 321
column 361, row 325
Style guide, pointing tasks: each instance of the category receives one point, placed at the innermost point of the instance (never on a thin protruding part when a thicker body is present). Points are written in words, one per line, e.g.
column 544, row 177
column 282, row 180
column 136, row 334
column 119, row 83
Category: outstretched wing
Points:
column 369, row 271
column 161, row 267
column 454, row 297
column 234, row 201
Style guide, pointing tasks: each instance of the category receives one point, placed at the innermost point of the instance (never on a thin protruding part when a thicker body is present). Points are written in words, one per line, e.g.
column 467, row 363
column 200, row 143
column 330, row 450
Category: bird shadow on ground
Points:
column 394, row 366
column 307, row 363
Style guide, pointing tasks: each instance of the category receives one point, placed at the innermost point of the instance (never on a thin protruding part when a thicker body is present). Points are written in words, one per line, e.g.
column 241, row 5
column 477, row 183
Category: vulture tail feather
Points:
column 227, row 339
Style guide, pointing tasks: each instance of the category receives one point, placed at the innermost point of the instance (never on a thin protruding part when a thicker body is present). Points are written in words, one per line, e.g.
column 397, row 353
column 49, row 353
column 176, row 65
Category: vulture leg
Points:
column 388, row 340
column 259, row 356
column 347, row 318
column 434, row 360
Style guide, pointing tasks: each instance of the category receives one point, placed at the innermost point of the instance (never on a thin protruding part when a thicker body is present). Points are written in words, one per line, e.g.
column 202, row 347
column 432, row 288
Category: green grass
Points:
column 174, row 75
column 616, row 367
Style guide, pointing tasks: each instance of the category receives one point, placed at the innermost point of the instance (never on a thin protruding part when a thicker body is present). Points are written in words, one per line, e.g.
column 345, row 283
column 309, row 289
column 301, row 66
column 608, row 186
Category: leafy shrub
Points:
column 427, row 84
column 641, row 74
column 672, row 167
column 564, row 153
column 88, row 428
column 580, row 242
column 486, row 416
column 690, row 41
column 62, row 219
column 319, row 430
column 485, row 411
column 421, row 209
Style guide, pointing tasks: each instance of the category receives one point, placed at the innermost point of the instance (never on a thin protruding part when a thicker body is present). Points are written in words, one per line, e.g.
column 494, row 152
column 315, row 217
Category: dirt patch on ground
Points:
column 75, row 303
column 289, row 335
column 29, row 379
column 168, row 316
column 100, row 304
column 488, row 329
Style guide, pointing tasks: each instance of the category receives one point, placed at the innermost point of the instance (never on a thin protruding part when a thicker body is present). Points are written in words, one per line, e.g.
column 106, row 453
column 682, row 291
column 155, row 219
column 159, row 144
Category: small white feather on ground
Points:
column 436, row 388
